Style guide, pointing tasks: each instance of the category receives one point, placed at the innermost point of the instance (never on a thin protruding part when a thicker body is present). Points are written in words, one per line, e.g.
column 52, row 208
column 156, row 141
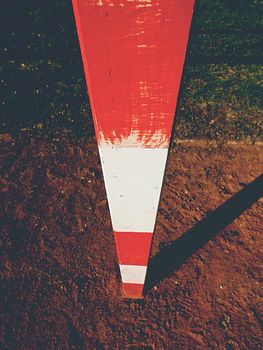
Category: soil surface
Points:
column 60, row 284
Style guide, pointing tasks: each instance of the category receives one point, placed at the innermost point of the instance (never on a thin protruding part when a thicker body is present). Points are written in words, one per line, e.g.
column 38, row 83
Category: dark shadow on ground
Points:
column 172, row 256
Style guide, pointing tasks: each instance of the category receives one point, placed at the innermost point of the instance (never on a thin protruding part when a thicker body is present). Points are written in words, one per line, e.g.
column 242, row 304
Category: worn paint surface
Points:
column 133, row 53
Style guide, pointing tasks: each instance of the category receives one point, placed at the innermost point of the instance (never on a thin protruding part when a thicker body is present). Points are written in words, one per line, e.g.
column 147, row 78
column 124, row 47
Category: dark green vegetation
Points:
column 44, row 87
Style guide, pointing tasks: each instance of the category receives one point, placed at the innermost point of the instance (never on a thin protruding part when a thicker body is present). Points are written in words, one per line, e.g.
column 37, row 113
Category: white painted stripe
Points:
column 133, row 180
column 133, row 273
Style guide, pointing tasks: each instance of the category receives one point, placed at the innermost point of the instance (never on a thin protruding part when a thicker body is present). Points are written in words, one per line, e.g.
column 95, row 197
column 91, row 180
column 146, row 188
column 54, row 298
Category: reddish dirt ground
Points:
column 60, row 284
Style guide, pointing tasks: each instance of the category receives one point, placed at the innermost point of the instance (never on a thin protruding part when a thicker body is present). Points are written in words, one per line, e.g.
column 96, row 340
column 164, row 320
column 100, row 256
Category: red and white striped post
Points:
column 133, row 53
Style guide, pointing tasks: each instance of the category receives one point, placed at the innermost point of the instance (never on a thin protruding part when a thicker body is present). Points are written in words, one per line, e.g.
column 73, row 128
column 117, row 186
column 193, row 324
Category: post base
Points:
column 132, row 291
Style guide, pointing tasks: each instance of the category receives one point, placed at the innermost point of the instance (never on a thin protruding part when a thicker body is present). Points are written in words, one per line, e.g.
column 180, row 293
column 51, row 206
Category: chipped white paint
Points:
column 133, row 180
column 144, row 45
column 135, row 139
column 133, row 273
column 140, row 3
column 144, row 3
column 143, row 86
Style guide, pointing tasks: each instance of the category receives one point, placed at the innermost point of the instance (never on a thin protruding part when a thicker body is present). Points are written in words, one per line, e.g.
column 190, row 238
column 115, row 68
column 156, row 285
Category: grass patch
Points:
column 45, row 90
column 220, row 101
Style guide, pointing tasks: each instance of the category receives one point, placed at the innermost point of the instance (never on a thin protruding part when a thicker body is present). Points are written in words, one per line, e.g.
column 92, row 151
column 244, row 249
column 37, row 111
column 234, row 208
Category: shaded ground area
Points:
column 43, row 83
column 59, row 273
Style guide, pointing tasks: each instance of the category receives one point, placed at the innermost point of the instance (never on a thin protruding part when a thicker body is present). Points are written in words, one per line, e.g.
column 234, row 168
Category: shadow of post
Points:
column 177, row 252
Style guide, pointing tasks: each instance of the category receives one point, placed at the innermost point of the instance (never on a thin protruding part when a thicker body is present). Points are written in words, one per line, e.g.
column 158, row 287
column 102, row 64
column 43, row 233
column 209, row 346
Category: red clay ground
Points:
column 59, row 273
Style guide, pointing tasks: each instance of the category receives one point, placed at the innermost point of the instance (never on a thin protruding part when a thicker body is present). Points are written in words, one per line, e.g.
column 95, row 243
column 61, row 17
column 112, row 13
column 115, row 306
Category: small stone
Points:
column 225, row 321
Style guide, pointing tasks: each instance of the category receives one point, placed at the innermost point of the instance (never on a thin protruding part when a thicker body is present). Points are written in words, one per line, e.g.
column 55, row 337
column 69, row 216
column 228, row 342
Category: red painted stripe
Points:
column 133, row 248
column 133, row 54
column 132, row 290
